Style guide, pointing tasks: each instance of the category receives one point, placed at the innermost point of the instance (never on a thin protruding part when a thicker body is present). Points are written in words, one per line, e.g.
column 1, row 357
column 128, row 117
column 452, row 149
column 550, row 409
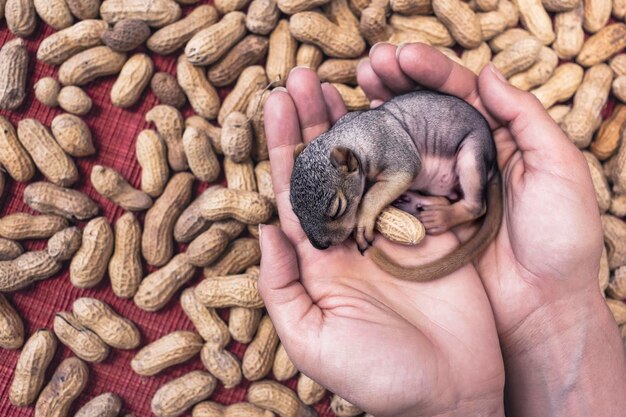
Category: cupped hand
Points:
column 550, row 242
column 393, row 348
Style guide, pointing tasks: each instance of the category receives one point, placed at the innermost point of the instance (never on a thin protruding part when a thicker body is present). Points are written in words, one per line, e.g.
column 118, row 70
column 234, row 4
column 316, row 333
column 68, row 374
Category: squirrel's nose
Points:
column 320, row 246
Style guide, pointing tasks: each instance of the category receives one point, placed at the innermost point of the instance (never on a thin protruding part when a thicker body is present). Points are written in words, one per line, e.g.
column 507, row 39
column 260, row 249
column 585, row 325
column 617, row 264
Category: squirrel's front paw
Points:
column 364, row 235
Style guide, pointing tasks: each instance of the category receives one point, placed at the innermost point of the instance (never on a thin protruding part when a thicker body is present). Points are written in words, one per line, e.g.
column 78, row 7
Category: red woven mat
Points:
column 114, row 132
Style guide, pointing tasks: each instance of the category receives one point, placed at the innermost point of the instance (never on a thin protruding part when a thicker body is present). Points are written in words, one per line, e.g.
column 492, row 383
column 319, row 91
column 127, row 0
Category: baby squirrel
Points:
column 422, row 141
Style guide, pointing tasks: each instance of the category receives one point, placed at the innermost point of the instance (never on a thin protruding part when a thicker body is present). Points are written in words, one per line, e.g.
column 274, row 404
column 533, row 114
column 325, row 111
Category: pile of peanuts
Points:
column 252, row 45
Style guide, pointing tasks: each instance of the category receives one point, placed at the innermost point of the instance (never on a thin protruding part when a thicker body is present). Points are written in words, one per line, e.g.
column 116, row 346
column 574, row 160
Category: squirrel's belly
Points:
column 437, row 177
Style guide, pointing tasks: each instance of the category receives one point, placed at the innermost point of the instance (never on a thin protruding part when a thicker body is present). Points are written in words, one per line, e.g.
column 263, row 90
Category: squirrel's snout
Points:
column 319, row 245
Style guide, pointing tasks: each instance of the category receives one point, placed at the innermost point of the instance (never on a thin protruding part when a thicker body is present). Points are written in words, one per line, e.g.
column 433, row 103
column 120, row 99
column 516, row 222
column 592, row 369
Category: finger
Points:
column 305, row 89
column 385, row 64
column 531, row 126
column 293, row 313
column 371, row 84
column 283, row 135
column 335, row 107
column 432, row 69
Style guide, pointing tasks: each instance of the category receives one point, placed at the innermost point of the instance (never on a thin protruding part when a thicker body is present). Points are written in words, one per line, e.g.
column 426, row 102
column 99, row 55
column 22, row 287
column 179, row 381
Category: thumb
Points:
column 530, row 124
column 295, row 316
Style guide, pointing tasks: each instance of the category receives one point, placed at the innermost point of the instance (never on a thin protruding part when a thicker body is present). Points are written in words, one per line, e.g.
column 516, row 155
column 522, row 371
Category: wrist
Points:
column 565, row 358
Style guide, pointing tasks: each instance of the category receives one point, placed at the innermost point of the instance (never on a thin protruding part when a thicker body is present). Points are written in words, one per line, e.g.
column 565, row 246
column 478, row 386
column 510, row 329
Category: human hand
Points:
column 541, row 271
column 393, row 348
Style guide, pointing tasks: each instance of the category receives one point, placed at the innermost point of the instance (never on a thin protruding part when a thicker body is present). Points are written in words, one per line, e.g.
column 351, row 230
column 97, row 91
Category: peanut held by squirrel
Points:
column 421, row 142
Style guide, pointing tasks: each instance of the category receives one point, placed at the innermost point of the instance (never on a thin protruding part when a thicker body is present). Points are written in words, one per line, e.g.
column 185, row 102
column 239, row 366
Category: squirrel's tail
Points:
column 460, row 256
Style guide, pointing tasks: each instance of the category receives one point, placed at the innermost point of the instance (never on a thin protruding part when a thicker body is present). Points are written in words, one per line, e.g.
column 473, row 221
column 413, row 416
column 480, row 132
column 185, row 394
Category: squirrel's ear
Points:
column 344, row 159
column 299, row 148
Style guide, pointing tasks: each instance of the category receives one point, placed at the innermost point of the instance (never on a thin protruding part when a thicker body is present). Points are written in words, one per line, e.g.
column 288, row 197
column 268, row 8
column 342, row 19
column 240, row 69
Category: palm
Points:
column 547, row 235
column 427, row 344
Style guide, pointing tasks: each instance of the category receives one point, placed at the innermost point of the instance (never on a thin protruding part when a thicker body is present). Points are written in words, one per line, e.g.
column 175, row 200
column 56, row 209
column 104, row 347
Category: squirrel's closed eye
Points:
column 338, row 206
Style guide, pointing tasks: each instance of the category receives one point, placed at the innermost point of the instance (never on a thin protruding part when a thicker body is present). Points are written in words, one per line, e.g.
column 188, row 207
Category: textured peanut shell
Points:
column 21, row 226
column 245, row 410
column 73, row 135
column 67, row 383
column 600, row 183
column 309, row 56
column 83, row 342
column 309, row 391
column 26, row 269
column 259, row 356
column 619, row 88
column 125, row 269
column 559, row 112
column 160, row 286
column 283, row 368
column 281, row 57
column 354, row 98
column 617, row 169
column 507, row 38
column 607, row 139
column 517, row 57
column 175, row 35
column 166, row 89
column 568, row 27
column 263, row 173
column 227, row 6
column 240, row 176
column 64, row 244
column 132, row 81
column 58, row 47
column 254, row 112
column 55, row 13
column 342, row 408
column 614, row 238
column 190, row 223
column 460, row 20
column 206, row 320
column 13, row 72
column 262, row 16
column 180, row 394
column 229, row 291
column 240, row 254
column 236, row 137
column 336, row 42
column 213, row 132
column 207, row 247
column 157, row 242
column 616, row 287
column 104, row 405
column 410, row 7
column 84, row 9
column 169, row 124
column 597, row 14
column 277, row 398
column 208, row 409
column 338, row 71
column 561, row 86
column 618, row 64
column 92, row 259
column 618, row 309
column 251, row 80
column 30, row 370
column 48, row 198
column 249, row 51
column 126, row 35
column 373, row 24
column 210, row 44
column 9, row 249
column 476, row 59
column 199, row 91
column 200, row 155
column 156, row 13
column 295, row 6
column 151, row 154
column 602, row 45
column 539, row 72
column 114, row 187
column 74, row 100
column 13, row 157
column 88, row 65
column 113, row 329
column 21, row 17
column 535, row 18
column 222, row 364
column 246, row 206
column 433, row 31
column 11, row 326
column 618, row 205
column 172, row 349
column 584, row 118
column 560, row 5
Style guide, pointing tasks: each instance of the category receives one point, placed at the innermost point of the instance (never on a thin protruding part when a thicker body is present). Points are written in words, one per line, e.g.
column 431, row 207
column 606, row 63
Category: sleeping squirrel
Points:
column 423, row 141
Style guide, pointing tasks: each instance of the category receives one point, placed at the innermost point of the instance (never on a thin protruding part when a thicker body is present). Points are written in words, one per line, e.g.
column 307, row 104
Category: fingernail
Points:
column 497, row 73
column 260, row 230
column 299, row 67
column 281, row 89
column 376, row 45
column 399, row 48
column 375, row 103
